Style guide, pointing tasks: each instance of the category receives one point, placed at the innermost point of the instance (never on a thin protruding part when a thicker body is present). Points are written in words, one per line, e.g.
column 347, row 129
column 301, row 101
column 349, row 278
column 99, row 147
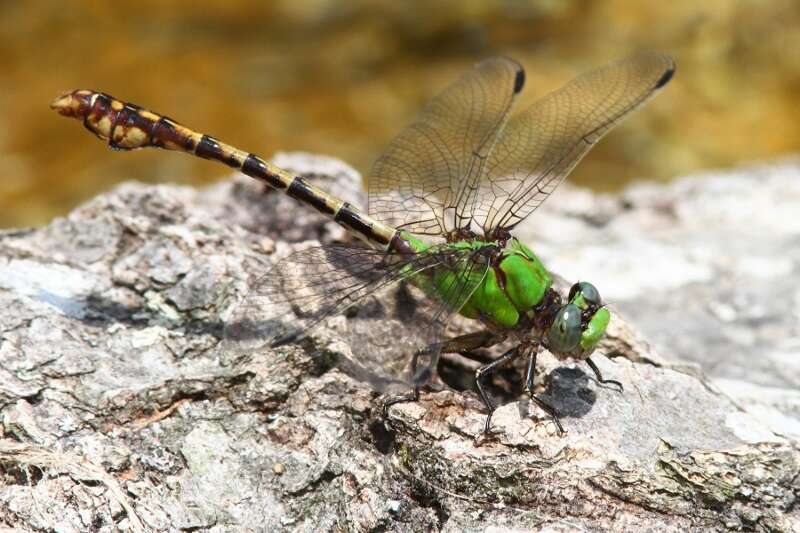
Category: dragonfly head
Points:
column 579, row 324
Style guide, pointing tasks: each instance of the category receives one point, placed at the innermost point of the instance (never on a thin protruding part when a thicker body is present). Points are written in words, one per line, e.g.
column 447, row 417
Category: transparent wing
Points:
column 390, row 323
column 540, row 146
column 451, row 283
column 313, row 284
column 425, row 181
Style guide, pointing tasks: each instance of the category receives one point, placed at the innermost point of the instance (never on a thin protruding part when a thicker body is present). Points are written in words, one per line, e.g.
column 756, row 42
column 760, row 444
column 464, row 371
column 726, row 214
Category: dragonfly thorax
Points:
column 515, row 283
column 516, row 295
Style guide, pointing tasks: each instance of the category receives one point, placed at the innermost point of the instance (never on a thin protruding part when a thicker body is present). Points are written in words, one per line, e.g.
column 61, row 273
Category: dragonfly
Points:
column 443, row 201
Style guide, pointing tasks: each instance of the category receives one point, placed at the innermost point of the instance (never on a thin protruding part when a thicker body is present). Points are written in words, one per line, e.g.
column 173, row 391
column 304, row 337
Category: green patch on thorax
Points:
column 510, row 288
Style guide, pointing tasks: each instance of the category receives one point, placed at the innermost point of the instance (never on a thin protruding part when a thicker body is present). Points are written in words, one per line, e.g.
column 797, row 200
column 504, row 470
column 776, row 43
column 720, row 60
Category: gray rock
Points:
column 123, row 408
column 705, row 267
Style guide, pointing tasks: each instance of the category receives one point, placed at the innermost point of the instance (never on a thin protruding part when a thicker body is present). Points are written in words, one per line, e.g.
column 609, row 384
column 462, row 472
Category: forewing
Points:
column 429, row 173
column 541, row 145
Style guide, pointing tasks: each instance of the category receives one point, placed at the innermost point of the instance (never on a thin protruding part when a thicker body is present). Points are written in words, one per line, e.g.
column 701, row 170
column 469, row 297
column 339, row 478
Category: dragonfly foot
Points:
column 547, row 408
column 600, row 379
column 486, row 435
column 614, row 382
column 410, row 397
column 487, row 426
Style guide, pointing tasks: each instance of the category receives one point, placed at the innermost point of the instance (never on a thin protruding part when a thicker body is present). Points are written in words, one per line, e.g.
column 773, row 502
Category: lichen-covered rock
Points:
column 122, row 407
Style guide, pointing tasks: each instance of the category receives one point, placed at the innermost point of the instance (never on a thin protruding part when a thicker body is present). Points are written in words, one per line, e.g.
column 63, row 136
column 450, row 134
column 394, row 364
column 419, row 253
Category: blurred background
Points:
column 341, row 78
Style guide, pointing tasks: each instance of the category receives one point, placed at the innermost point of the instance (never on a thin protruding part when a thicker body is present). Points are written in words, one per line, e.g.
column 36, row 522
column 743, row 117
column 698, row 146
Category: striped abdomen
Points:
column 128, row 127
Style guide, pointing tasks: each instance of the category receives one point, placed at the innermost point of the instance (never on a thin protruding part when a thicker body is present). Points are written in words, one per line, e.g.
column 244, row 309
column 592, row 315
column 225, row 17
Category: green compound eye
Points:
column 565, row 333
column 586, row 291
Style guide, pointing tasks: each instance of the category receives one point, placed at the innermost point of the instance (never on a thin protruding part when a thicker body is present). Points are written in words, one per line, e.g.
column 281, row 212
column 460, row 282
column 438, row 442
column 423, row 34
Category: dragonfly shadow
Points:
column 265, row 330
column 100, row 311
column 568, row 392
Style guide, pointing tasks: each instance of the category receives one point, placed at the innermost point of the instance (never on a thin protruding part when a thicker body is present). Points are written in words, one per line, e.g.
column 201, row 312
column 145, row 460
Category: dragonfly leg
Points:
column 600, row 376
column 470, row 341
column 412, row 396
column 418, row 379
column 544, row 406
column 486, row 370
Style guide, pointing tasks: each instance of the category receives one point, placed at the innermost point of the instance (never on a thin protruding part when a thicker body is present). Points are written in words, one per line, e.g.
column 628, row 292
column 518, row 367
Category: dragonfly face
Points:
column 579, row 324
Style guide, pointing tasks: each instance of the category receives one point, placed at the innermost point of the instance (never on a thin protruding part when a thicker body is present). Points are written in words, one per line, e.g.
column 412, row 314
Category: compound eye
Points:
column 565, row 333
column 573, row 291
column 588, row 291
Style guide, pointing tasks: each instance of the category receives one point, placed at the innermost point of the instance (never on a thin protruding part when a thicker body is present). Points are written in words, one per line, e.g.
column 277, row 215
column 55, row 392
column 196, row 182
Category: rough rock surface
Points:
column 121, row 408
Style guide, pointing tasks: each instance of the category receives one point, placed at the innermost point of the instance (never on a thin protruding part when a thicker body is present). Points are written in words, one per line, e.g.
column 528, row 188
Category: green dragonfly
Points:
column 443, row 200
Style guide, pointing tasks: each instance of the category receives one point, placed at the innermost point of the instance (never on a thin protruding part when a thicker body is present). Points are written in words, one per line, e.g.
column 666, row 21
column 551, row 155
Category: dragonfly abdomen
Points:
column 129, row 127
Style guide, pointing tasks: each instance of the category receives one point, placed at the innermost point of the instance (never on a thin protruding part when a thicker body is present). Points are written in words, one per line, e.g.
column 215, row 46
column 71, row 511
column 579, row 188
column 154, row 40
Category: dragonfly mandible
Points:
column 444, row 199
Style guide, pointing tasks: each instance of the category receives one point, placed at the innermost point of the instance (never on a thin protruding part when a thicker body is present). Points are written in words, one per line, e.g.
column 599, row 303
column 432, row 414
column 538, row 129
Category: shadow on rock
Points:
column 569, row 393
column 101, row 311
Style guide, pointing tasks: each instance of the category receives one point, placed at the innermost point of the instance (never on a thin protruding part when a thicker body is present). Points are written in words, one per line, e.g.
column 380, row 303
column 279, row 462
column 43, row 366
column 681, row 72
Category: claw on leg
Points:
column 544, row 406
column 470, row 341
column 486, row 370
column 547, row 408
column 599, row 376
column 410, row 397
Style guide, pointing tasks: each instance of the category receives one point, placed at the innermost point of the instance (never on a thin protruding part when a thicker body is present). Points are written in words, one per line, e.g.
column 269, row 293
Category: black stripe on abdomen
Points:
column 209, row 148
column 352, row 219
column 164, row 133
column 300, row 190
column 256, row 168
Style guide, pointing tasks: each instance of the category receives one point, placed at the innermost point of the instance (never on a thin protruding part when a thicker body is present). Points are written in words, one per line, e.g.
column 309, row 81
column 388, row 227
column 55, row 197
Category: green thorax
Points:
column 514, row 283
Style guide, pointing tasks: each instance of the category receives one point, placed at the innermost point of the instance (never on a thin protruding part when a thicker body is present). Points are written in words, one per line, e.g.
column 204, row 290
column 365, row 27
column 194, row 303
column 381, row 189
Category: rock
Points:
column 123, row 407
column 705, row 268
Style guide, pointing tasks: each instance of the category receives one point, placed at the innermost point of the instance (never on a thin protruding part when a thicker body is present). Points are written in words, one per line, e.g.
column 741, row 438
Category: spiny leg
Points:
column 412, row 396
column 470, row 341
column 600, row 376
column 544, row 406
column 477, row 356
column 486, row 370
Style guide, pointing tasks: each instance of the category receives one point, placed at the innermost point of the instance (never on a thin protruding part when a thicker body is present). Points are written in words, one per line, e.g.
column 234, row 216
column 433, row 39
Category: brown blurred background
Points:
column 341, row 78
